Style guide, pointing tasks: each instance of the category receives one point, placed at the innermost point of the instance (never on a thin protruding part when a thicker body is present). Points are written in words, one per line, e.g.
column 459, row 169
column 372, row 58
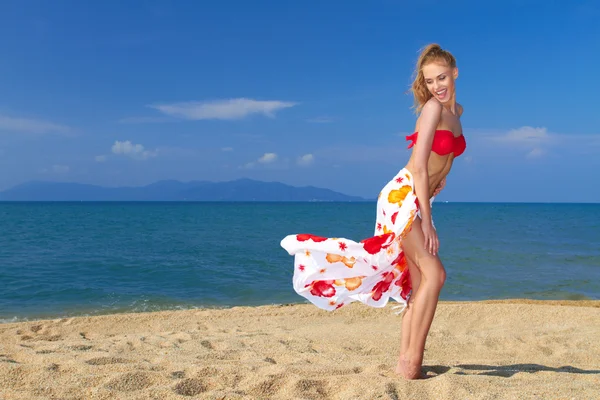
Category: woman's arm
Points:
column 430, row 118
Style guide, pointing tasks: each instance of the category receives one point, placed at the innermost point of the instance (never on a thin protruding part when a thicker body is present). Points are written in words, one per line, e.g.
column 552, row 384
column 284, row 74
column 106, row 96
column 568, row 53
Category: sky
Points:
column 126, row 93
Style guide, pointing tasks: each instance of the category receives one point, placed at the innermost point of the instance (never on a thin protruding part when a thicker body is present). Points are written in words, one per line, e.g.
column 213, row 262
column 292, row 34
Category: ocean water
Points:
column 69, row 259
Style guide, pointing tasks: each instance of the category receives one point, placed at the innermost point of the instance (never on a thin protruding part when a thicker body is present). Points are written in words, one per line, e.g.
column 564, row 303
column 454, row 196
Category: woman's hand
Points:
column 432, row 243
column 439, row 187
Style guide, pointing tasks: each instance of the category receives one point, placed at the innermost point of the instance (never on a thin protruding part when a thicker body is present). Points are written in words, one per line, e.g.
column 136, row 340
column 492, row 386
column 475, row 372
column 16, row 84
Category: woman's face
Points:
column 440, row 79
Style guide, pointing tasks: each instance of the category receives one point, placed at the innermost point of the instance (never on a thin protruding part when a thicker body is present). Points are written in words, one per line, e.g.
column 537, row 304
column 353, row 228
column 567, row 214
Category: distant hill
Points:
column 170, row 190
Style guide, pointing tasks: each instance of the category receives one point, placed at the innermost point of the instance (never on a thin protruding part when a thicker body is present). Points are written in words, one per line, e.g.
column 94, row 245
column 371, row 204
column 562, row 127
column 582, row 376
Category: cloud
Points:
column 135, row 151
column 100, row 158
column 535, row 153
column 526, row 135
column 539, row 142
column 222, row 109
column 267, row 158
column 142, row 120
column 227, row 149
column 306, row 160
column 31, row 126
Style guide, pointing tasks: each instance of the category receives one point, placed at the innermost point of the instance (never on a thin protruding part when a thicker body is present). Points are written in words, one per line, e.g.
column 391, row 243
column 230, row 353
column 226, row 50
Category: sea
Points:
column 62, row 259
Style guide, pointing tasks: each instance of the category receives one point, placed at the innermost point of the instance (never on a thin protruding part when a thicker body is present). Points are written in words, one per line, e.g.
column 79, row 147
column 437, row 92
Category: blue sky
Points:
column 302, row 92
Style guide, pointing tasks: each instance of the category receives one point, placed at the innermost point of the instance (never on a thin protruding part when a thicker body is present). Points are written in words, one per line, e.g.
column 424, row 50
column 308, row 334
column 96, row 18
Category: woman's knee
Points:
column 433, row 271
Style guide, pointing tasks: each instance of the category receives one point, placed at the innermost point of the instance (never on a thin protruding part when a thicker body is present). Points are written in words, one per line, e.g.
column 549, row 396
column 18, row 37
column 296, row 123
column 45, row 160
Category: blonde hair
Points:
column 431, row 53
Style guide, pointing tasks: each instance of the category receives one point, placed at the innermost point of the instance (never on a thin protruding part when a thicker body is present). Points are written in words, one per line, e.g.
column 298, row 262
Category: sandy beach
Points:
column 476, row 350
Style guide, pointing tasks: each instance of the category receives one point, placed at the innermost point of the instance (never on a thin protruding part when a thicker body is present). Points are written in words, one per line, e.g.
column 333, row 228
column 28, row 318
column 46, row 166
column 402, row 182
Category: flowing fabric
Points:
column 334, row 272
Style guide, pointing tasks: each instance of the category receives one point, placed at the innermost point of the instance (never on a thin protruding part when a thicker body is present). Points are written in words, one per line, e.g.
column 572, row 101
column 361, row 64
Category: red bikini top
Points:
column 444, row 142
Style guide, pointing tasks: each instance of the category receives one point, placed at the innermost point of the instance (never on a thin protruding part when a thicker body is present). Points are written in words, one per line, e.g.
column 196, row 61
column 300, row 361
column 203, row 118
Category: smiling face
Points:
column 440, row 79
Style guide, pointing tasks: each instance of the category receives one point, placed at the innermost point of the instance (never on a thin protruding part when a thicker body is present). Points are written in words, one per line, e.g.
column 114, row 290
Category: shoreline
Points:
column 516, row 348
column 574, row 303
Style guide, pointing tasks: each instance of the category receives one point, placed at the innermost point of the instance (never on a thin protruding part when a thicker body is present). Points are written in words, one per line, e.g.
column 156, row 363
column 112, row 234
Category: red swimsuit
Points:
column 444, row 142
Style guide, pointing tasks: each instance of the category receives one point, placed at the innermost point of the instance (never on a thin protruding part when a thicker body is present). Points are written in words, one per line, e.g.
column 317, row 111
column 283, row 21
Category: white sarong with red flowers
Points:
column 334, row 272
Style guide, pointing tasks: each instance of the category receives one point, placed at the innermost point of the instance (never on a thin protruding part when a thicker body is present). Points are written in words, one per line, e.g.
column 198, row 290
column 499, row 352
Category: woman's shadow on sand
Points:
column 505, row 371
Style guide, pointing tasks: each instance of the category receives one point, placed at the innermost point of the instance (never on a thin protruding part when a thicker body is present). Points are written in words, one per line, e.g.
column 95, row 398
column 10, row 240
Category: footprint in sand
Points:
column 7, row 359
column 106, row 361
column 53, row 367
column 130, row 382
column 207, row 344
column 190, row 387
column 312, row 389
column 390, row 390
column 80, row 347
column 269, row 387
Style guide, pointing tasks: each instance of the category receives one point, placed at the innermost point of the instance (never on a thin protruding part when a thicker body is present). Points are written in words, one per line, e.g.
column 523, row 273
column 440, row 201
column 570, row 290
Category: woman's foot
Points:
column 409, row 369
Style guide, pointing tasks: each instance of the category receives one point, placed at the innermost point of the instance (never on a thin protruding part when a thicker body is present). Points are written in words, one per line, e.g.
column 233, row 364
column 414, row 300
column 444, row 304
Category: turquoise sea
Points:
column 69, row 259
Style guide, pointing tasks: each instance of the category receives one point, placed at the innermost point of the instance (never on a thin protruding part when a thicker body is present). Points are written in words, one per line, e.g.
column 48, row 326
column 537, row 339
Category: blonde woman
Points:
column 401, row 260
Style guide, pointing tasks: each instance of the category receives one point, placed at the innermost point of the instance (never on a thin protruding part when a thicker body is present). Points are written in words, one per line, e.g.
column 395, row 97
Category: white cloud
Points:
column 100, row 158
column 306, row 160
column 227, row 149
column 31, row 126
column 222, row 109
column 142, row 120
column 135, row 151
column 535, row 153
column 526, row 135
column 539, row 142
column 267, row 158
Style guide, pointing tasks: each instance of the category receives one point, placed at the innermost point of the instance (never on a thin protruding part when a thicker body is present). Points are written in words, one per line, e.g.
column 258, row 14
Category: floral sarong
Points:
column 334, row 272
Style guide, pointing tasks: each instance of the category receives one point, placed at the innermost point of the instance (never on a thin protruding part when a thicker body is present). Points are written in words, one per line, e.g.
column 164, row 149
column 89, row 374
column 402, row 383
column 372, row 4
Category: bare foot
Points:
column 399, row 370
column 409, row 369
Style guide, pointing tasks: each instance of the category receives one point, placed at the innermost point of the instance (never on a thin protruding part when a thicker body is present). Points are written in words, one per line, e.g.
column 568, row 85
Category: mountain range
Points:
column 172, row 190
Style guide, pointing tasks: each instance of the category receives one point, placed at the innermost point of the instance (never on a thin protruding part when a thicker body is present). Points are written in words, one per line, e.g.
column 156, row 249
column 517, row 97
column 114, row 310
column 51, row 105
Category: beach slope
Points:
column 476, row 350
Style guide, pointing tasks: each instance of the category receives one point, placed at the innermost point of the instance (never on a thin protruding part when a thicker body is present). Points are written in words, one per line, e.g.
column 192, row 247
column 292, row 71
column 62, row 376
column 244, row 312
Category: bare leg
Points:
column 433, row 276
column 415, row 279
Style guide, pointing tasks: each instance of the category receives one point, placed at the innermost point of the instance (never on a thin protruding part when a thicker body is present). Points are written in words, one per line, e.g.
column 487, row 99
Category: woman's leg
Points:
column 415, row 280
column 433, row 276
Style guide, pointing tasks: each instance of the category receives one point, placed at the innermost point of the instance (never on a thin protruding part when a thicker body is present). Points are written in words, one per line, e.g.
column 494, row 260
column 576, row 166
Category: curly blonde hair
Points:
column 431, row 53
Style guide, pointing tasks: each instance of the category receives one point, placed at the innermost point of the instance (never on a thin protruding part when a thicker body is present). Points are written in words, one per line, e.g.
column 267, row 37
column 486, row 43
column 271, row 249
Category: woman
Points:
column 401, row 260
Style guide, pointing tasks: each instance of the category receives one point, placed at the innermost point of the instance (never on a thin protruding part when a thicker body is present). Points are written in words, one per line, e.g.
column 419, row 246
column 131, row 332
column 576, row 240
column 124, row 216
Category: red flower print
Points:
column 343, row 246
column 303, row 237
column 379, row 226
column 417, row 202
column 322, row 288
column 394, row 217
column 375, row 268
column 399, row 179
column 400, row 261
column 339, row 305
column 301, row 267
column 374, row 244
column 382, row 286
column 405, row 284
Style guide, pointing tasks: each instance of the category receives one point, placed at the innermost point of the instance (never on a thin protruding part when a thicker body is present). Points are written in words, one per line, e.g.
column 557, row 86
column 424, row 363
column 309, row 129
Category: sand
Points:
column 476, row 350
